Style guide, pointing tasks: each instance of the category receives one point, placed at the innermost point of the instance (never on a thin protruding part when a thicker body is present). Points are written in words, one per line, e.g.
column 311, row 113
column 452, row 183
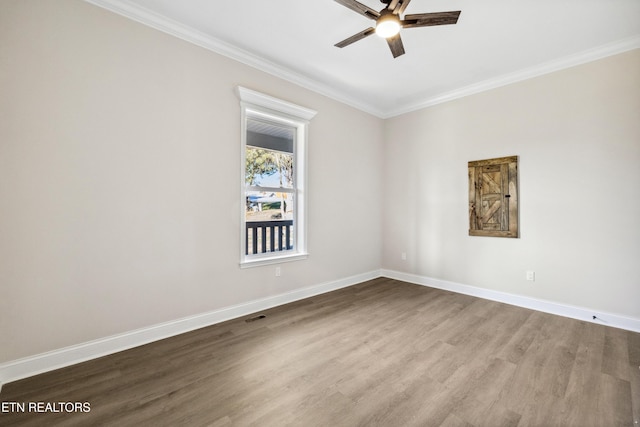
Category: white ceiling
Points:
column 495, row 42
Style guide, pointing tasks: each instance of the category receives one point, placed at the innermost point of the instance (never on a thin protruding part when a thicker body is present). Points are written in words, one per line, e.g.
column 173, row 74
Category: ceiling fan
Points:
column 389, row 22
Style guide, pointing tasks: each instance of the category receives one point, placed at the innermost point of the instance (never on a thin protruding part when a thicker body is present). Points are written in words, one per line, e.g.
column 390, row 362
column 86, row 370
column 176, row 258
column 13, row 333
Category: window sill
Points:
column 257, row 262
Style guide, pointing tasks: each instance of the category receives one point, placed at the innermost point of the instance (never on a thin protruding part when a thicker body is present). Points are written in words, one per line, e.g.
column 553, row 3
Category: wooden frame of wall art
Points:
column 493, row 197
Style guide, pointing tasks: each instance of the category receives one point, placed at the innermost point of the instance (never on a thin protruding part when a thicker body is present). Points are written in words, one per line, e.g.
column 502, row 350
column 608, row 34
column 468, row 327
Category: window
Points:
column 274, row 135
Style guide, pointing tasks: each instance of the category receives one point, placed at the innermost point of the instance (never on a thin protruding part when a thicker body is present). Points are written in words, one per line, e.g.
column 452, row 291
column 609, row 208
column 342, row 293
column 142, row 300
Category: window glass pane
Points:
column 269, row 222
column 268, row 206
column 272, row 136
column 268, row 168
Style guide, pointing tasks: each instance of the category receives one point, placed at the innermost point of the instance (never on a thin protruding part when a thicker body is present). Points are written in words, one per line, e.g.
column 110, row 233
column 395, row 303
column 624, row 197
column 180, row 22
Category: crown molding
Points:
column 584, row 57
column 206, row 41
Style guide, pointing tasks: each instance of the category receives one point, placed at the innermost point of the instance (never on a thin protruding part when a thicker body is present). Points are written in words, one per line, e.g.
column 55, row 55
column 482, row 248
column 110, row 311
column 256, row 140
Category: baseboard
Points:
column 33, row 365
column 580, row 313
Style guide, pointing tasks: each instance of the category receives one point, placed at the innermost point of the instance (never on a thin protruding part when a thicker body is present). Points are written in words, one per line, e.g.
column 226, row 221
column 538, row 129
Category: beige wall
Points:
column 120, row 179
column 119, row 192
column 577, row 135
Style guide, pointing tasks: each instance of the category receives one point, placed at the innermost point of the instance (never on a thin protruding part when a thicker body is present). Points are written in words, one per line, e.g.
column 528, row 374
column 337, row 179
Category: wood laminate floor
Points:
column 381, row 353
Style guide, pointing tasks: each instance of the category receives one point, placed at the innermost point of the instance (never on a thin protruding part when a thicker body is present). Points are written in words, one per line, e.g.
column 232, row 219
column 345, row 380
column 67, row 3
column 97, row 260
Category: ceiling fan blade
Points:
column 430, row 19
column 392, row 5
column 356, row 37
column 360, row 8
column 403, row 5
column 396, row 46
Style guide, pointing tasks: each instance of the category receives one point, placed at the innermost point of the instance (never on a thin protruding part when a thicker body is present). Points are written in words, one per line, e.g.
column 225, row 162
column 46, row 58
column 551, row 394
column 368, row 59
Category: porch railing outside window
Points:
column 268, row 236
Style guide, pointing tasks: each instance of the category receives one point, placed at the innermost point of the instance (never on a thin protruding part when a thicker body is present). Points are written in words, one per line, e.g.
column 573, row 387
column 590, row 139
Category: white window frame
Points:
column 257, row 105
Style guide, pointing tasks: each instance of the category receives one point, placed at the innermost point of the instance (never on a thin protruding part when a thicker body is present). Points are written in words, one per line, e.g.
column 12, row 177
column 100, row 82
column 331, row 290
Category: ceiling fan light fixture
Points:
column 388, row 25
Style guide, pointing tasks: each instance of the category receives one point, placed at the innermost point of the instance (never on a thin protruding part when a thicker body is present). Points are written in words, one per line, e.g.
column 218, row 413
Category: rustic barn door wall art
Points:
column 493, row 197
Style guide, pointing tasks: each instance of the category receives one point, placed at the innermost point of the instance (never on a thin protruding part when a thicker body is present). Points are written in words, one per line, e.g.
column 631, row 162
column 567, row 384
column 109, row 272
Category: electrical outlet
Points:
column 403, row 255
column 531, row 275
column 278, row 272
